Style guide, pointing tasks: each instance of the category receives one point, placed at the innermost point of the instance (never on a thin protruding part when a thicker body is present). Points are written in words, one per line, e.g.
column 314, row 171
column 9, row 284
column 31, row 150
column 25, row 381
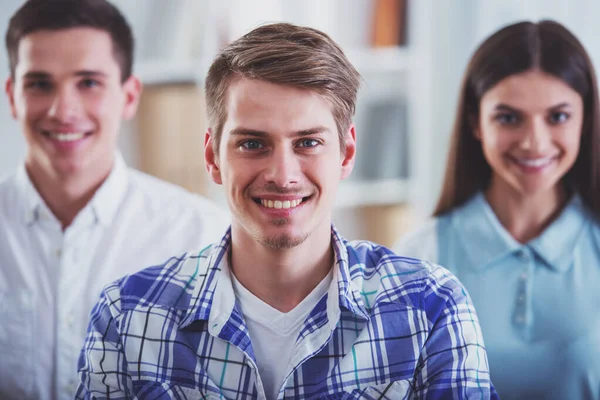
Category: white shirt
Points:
column 50, row 279
column 274, row 333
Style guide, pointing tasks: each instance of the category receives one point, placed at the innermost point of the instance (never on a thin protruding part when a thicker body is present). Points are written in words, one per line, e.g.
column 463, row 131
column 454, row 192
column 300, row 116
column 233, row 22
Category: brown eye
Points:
column 39, row 85
column 507, row 119
column 558, row 117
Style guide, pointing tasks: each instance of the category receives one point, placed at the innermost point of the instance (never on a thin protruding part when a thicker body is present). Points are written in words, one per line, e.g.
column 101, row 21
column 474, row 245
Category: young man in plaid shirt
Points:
column 283, row 306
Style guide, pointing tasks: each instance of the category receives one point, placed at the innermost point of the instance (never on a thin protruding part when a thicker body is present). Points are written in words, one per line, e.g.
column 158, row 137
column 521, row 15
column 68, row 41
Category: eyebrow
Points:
column 262, row 134
column 44, row 75
column 505, row 107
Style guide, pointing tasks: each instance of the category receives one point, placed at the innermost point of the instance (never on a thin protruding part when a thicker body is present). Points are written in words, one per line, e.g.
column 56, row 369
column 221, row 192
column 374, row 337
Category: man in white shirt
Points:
column 74, row 217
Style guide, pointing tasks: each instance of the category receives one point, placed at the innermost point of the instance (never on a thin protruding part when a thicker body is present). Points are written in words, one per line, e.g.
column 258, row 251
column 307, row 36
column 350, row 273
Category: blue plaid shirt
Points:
column 388, row 328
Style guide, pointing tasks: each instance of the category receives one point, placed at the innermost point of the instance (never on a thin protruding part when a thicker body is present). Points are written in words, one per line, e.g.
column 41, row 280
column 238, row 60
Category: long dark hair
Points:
column 551, row 48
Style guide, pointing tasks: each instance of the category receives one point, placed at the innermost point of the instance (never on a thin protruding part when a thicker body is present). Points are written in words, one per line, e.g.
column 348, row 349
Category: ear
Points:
column 349, row 154
column 10, row 93
column 133, row 90
column 211, row 158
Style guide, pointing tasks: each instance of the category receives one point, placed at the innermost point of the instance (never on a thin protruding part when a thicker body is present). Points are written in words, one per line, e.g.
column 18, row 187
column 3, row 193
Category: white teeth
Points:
column 67, row 136
column 536, row 162
column 281, row 204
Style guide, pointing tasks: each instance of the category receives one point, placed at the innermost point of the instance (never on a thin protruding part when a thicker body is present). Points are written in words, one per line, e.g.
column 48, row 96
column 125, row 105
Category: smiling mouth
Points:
column 280, row 204
column 539, row 162
column 66, row 136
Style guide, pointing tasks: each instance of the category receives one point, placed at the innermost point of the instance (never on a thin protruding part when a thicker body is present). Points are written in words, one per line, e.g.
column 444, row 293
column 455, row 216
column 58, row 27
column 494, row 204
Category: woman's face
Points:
column 530, row 129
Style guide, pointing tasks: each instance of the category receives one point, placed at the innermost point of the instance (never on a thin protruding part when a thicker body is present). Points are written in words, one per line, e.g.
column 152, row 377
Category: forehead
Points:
column 273, row 108
column 57, row 51
column 532, row 90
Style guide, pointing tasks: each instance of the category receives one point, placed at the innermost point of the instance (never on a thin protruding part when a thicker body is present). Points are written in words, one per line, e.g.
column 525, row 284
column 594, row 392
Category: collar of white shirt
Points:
column 102, row 208
column 485, row 240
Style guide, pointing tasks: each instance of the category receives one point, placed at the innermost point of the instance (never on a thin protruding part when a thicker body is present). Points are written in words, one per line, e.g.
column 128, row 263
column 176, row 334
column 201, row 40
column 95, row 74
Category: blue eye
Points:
column 558, row 117
column 308, row 143
column 252, row 145
column 89, row 83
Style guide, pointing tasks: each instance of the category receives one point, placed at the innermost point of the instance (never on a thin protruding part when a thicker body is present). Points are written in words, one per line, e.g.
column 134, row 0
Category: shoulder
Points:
column 162, row 192
column 7, row 183
column 168, row 199
column 394, row 278
column 10, row 198
column 421, row 242
column 167, row 285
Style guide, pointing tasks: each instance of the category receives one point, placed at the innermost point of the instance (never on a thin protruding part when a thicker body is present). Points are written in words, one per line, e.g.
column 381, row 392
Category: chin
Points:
column 282, row 241
column 536, row 189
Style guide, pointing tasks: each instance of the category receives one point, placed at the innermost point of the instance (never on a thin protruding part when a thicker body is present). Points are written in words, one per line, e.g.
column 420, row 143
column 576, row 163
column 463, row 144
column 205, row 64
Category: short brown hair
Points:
column 284, row 54
column 514, row 49
column 35, row 15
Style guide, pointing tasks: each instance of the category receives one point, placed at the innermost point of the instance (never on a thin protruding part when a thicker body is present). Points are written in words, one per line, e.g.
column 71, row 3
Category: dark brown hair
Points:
column 517, row 48
column 284, row 54
column 35, row 15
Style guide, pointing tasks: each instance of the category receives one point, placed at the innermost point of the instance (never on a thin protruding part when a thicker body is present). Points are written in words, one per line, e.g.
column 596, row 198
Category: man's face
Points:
column 280, row 162
column 68, row 97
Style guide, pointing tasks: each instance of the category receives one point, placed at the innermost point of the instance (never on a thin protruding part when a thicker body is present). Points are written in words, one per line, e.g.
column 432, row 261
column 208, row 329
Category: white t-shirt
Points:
column 50, row 279
column 274, row 333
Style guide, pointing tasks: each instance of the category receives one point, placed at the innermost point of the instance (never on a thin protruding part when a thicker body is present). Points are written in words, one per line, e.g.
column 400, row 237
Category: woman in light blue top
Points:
column 518, row 217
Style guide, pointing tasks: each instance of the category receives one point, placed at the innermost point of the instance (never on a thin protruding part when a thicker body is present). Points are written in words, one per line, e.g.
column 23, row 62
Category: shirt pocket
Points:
column 163, row 390
column 185, row 393
column 396, row 390
column 16, row 343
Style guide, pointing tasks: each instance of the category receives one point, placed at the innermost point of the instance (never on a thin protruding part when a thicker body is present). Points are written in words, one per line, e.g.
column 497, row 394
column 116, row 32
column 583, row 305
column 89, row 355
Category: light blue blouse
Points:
column 538, row 303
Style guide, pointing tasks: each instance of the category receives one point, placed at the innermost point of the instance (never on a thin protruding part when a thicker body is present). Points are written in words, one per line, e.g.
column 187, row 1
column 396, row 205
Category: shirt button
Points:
column 521, row 298
column 521, row 319
column 58, row 252
column 522, row 255
column 70, row 320
column 524, row 276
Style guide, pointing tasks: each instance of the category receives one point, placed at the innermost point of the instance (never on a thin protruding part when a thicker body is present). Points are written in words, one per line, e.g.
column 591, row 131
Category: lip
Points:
column 536, row 168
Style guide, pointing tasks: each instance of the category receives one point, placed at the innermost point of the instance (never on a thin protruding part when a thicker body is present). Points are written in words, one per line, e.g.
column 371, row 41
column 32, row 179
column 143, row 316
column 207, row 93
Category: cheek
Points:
column 32, row 107
column 325, row 168
column 106, row 106
column 237, row 173
column 495, row 141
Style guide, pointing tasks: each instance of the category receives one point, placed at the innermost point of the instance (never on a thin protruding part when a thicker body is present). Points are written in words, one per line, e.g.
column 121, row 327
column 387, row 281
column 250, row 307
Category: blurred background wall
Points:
column 411, row 54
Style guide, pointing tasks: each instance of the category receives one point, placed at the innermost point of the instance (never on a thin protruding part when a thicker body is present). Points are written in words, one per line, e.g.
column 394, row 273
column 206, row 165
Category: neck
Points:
column 525, row 216
column 282, row 278
column 65, row 195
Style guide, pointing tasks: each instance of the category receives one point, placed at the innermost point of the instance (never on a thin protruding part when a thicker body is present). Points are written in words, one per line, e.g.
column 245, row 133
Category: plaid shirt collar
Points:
column 213, row 299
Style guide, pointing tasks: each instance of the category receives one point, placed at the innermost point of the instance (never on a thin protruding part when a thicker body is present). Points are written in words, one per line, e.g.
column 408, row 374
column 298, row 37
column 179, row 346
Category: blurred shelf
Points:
column 376, row 192
column 157, row 72
column 371, row 60
column 382, row 59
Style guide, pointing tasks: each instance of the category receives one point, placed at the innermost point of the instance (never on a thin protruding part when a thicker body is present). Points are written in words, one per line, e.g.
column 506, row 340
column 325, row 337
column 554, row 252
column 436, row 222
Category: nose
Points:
column 65, row 105
column 538, row 137
column 284, row 168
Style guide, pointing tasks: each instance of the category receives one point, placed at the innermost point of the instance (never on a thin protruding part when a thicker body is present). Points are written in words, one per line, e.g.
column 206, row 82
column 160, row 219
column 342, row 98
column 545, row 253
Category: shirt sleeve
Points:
column 453, row 362
column 102, row 363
